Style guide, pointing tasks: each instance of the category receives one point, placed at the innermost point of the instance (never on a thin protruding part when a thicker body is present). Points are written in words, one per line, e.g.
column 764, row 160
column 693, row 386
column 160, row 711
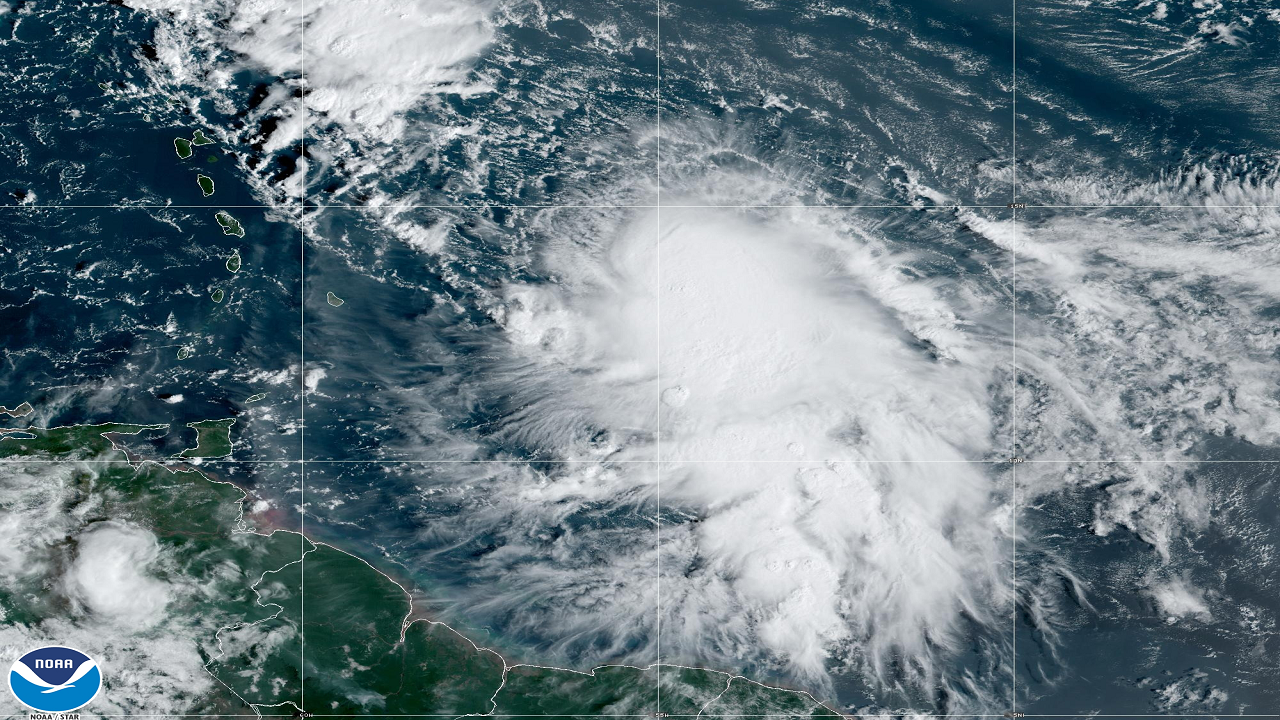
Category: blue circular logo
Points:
column 55, row 679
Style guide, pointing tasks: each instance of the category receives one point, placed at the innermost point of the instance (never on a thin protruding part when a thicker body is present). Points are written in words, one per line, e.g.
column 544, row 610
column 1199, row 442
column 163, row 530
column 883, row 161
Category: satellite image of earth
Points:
column 647, row 358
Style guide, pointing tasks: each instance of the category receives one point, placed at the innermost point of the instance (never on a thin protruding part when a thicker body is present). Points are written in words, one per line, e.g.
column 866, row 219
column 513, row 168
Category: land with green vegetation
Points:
column 255, row 398
column 206, row 184
column 22, row 410
column 184, row 353
column 198, row 530
column 217, row 295
column 363, row 656
column 183, row 147
column 334, row 300
column 230, row 226
column 213, row 439
column 199, row 138
column 71, row 442
column 233, row 262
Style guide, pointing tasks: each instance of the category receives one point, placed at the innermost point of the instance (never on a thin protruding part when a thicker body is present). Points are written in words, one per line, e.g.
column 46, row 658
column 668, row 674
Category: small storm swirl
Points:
column 111, row 577
column 109, row 573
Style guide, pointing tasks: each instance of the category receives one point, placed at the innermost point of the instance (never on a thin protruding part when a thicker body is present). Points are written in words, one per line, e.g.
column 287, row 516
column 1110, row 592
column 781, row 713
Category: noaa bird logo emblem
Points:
column 55, row 679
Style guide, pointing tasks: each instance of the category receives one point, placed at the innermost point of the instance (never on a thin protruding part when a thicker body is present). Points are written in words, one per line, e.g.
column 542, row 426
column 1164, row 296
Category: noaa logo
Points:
column 55, row 679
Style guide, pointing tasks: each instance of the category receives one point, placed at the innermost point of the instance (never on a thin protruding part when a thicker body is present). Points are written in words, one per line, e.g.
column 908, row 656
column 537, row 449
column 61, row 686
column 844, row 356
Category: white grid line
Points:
column 651, row 206
column 596, row 461
column 1013, row 397
column 129, row 206
column 302, row 364
column 604, row 461
column 796, row 206
column 657, row 248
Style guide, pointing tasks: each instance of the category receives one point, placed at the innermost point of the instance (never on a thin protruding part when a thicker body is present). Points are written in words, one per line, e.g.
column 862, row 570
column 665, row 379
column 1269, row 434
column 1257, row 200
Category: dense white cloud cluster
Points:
column 772, row 360
column 151, row 657
column 367, row 64
column 111, row 576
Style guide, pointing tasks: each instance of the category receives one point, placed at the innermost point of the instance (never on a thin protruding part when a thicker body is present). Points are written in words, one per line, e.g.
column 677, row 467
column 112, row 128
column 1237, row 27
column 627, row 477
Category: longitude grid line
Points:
column 1013, row 397
column 302, row 361
column 657, row 249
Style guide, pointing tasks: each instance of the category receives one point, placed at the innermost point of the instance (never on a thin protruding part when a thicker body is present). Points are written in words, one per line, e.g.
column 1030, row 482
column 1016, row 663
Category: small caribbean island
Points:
column 368, row 651
column 230, row 226
column 183, row 146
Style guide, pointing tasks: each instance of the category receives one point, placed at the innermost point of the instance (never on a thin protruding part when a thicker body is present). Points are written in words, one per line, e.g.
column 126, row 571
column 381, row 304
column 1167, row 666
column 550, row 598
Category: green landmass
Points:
column 230, row 226
column 183, row 147
column 22, row 410
column 218, row 295
column 72, row 442
column 429, row 669
column 255, row 398
column 184, row 353
column 334, row 300
column 199, row 138
column 204, row 543
column 616, row 690
column 233, row 262
column 206, row 184
column 213, row 439
column 211, row 158
column 363, row 656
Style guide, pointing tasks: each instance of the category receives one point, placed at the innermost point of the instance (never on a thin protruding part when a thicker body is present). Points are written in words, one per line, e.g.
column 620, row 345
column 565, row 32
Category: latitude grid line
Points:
column 526, row 461
column 651, row 206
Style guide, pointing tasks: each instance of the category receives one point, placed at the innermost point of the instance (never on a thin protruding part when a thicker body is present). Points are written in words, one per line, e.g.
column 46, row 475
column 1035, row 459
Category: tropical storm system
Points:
column 646, row 358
